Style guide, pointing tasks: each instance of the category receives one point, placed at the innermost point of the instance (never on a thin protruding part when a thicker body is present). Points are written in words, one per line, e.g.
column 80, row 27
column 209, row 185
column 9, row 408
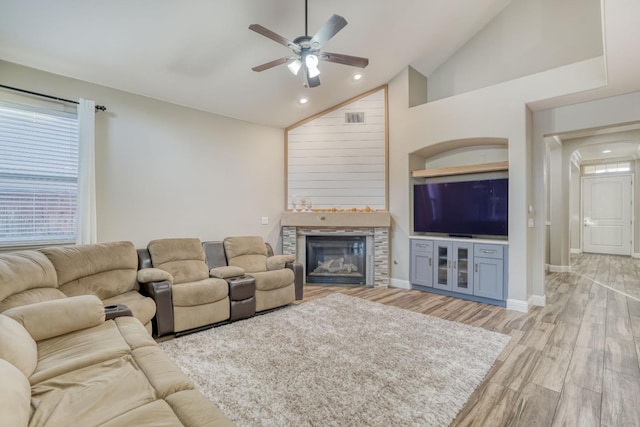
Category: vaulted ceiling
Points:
column 200, row 53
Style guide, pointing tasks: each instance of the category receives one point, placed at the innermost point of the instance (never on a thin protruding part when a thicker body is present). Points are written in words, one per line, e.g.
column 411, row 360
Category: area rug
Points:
column 339, row 361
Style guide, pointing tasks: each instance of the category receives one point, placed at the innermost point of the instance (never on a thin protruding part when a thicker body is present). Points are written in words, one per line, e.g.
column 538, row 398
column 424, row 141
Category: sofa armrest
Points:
column 298, row 272
column 226, row 272
column 53, row 318
column 161, row 293
column 148, row 275
column 278, row 262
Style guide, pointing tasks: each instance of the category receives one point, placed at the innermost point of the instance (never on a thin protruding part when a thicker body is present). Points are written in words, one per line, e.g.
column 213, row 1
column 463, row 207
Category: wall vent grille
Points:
column 354, row 117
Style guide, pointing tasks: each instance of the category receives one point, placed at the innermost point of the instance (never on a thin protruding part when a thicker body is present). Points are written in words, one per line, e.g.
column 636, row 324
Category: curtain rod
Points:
column 98, row 107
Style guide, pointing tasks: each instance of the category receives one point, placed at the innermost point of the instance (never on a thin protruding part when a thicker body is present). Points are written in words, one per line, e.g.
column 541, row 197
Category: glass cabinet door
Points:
column 443, row 266
column 461, row 263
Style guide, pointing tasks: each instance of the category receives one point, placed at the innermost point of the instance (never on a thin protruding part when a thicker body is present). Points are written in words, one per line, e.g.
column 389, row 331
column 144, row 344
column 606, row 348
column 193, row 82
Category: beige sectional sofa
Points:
column 63, row 364
column 76, row 323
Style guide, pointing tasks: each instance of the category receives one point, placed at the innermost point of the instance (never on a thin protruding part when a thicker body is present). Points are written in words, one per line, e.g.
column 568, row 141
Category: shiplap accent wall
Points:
column 338, row 164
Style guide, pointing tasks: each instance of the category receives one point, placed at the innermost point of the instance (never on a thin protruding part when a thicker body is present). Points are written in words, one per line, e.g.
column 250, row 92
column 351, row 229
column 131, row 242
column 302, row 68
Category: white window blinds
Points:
column 38, row 176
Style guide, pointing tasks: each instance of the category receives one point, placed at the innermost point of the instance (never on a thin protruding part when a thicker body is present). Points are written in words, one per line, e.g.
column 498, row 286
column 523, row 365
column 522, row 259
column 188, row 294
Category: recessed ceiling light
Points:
column 606, row 151
column 303, row 100
column 357, row 76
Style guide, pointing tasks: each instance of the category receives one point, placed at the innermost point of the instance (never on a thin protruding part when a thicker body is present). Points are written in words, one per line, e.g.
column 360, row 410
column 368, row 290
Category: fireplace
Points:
column 336, row 259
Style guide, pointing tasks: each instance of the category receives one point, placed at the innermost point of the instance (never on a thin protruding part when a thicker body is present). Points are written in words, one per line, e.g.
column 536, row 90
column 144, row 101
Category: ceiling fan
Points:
column 306, row 50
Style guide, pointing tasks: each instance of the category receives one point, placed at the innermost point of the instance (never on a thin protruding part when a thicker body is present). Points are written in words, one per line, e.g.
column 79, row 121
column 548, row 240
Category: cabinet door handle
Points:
column 475, row 268
column 421, row 246
column 429, row 261
column 455, row 264
column 487, row 251
column 448, row 263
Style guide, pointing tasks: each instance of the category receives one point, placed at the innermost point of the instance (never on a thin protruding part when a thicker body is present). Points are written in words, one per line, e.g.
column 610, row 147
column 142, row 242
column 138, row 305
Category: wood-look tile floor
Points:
column 574, row 362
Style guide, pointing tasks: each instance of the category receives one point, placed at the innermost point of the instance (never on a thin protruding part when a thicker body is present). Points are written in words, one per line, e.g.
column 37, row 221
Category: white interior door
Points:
column 607, row 205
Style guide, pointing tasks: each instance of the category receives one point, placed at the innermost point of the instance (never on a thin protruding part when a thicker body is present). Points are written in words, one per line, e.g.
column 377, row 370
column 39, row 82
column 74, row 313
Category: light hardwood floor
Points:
column 573, row 362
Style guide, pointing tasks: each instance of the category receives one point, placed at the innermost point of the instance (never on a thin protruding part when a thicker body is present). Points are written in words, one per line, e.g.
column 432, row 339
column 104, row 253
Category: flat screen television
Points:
column 466, row 208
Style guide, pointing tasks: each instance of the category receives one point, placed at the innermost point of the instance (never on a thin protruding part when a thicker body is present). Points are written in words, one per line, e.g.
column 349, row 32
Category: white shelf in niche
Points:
column 461, row 170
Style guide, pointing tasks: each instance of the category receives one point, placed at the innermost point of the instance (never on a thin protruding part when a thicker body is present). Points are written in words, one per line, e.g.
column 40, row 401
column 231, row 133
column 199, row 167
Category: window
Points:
column 607, row 168
column 38, row 176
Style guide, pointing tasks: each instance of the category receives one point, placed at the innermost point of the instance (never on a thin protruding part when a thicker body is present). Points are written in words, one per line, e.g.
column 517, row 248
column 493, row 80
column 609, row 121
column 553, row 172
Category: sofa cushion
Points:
column 200, row 292
column 79, row 349
column 143, row 308
column 58, row 317
column 182, row 258
column 17, row 346
column 276, row 279
column 21, row 271
column 104, row 269
column 91, row 395
column 15, row 396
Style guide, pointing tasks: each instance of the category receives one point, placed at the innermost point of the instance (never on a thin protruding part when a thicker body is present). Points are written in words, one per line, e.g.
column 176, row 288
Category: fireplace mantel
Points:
column 335, row 219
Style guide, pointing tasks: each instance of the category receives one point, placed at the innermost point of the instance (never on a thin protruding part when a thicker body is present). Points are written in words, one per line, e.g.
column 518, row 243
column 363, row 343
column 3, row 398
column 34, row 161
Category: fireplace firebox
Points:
column 336, row 259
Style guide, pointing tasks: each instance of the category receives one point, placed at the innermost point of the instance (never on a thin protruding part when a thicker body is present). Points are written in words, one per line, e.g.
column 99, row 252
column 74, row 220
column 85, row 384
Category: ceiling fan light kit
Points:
column 306, row 50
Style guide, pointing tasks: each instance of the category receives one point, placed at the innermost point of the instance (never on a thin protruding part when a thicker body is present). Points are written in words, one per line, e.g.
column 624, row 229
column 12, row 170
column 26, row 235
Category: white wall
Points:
column 163, row 170
column 338, row 164
column 494, row 112
column 528, row 36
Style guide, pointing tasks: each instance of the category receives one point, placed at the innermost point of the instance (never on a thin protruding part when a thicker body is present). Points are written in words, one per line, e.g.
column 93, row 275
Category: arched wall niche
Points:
column 460, row 152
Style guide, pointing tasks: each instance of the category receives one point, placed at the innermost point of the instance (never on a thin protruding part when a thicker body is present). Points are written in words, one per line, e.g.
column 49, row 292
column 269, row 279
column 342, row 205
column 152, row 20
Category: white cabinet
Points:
column 460, row 268
column 421, row 263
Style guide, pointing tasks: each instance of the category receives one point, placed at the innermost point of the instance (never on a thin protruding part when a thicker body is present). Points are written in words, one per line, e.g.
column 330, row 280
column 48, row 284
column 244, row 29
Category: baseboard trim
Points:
column 517, row 305
column 539, row 300
column 575, row 251
column 559, row 268
column 635, row 255
column 399, row 283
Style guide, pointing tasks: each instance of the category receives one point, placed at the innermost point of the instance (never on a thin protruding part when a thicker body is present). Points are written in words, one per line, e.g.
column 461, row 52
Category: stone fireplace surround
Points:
column 373, row 225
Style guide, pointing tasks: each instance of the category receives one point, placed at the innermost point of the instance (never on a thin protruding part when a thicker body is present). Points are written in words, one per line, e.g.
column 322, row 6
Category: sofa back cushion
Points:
column 182, row 258
column 15, row 396
column 26, row 277
column 104, row 270
column 247, row 252
column 17, row 347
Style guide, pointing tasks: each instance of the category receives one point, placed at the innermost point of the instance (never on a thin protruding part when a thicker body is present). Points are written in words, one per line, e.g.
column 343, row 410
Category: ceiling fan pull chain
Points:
column 306, row 17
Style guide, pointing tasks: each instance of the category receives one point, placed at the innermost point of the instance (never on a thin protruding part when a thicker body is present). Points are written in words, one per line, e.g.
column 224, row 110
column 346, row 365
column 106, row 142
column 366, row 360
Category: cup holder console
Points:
column 116, row 310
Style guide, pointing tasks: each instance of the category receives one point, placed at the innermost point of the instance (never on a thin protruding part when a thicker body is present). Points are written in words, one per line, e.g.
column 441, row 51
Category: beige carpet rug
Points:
column 339, row 361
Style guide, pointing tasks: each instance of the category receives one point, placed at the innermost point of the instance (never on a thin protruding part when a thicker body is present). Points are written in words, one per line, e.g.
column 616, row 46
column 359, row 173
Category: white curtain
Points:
column 86, row 215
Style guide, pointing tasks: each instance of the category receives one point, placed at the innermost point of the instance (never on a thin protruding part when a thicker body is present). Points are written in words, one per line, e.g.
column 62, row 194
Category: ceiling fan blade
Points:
column 275, row 37
column 328, row 30
column 272, row 64
column 354, row 61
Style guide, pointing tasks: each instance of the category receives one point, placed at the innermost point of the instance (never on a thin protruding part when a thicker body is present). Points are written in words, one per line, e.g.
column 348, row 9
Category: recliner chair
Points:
column 275, row 275
column 197, row 299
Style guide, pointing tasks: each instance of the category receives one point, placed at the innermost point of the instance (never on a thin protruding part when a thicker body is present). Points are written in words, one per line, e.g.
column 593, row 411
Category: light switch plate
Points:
column 265, row 220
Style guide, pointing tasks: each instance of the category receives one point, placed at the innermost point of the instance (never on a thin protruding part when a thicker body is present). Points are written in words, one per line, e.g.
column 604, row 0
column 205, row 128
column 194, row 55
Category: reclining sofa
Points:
column 206, row 283
column 63, row 364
